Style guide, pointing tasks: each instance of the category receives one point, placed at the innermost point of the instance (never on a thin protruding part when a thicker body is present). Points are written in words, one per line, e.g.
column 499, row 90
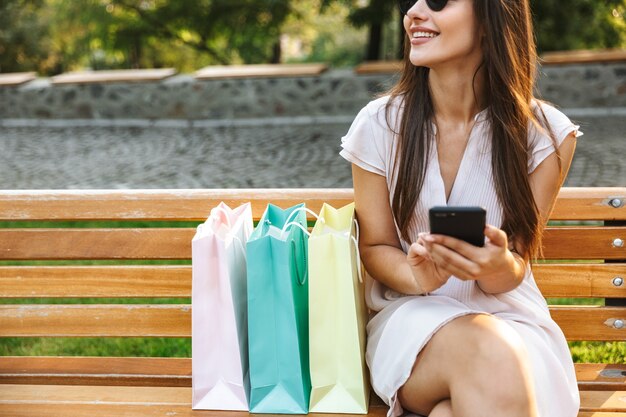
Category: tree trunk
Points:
column 276, row 53
column 373, row 45
column 401, row 38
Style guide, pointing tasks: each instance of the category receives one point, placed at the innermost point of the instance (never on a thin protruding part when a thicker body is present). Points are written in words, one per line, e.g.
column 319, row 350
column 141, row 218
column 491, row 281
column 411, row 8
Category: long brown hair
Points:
column 509, row 65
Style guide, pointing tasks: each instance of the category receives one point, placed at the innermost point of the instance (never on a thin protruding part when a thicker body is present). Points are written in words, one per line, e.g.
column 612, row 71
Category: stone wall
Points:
column 335, row 93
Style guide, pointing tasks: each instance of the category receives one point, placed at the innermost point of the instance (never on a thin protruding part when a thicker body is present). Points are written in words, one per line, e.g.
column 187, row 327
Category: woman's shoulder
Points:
column 383, row 111
column 550, row 114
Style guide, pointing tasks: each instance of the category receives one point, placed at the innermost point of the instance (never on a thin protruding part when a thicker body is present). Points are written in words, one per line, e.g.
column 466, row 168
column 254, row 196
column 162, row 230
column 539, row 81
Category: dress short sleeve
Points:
column 542, row 145
column 366, row 143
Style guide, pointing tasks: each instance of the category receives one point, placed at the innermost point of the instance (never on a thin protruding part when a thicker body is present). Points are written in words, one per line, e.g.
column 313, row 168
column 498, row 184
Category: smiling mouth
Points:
column 417, row 35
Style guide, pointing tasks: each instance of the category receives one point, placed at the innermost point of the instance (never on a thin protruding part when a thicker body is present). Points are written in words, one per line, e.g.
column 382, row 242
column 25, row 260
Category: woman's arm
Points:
column 545, row 182
column 381, row 251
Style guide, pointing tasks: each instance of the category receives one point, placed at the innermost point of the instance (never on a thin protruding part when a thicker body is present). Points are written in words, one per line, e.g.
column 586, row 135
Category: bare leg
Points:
column 480, row 364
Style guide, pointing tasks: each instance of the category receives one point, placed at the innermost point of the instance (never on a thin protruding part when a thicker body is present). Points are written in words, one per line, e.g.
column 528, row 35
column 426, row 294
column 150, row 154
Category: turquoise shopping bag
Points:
column 278, row 327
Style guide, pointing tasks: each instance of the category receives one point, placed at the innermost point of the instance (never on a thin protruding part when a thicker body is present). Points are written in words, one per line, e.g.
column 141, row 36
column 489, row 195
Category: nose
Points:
column 418, row 10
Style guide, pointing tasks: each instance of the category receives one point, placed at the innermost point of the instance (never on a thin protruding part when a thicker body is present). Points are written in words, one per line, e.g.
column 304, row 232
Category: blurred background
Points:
column 55, row 36
column 185, row 129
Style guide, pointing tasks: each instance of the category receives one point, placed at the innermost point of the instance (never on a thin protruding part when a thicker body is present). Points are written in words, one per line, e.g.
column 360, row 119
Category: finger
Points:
column 418, row 251
column 467, row 250
column 446, row 258
column 496, row 236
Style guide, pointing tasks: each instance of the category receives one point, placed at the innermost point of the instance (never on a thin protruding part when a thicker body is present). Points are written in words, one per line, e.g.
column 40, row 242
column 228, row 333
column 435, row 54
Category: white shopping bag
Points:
column 220, row 372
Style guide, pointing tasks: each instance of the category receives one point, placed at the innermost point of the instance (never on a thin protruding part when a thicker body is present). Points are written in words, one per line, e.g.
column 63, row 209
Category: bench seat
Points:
column 61, row 246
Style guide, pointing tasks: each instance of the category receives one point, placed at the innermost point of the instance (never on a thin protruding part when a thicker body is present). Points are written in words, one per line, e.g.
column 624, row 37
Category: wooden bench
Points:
column 140, row 386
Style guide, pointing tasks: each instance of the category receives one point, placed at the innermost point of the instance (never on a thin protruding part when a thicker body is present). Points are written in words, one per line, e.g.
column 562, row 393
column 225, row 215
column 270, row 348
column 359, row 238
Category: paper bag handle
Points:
column 355, row 240
column 296, row 211
column 301, row 280
column 222, row 210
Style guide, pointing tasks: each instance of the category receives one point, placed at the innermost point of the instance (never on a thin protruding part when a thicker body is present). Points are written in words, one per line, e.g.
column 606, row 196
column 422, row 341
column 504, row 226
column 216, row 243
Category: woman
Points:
column 462, row 330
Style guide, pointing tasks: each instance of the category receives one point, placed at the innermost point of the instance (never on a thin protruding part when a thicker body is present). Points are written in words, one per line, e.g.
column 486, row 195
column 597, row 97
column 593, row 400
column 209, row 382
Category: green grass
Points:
column 39, row 346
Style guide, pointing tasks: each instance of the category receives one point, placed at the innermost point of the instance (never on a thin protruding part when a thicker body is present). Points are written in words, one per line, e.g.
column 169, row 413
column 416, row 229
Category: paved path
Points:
column 144, row 156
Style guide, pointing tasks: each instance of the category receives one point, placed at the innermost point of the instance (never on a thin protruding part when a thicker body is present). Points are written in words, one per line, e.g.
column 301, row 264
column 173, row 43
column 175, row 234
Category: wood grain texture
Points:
column 103, row 371
column 580, row 280
column 172, row 320
column 608, row 401
column 128, row 320
column 589, row 322
column 598, row 377
column 175, row 243
column 73, row 244
column 583, row 243
column 572, row 204
column 95, row 281
column 554, row 280
column 260, row 71
column 176, row 372
column 158, row 401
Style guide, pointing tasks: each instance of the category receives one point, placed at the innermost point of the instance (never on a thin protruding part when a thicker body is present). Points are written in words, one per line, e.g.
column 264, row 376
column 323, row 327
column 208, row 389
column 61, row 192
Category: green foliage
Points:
column 598, row 352
column 579, row 24
column 21, row 34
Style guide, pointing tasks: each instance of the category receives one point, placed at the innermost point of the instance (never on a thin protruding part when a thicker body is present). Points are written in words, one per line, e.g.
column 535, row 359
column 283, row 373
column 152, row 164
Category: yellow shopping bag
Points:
column 337, row 315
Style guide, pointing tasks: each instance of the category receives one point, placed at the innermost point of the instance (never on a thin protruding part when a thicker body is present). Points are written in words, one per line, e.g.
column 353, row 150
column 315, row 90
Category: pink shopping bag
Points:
column 220, row 372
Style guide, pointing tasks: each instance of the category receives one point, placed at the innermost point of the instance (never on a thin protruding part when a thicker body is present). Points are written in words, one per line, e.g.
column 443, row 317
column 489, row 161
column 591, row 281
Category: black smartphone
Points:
column 462, row 222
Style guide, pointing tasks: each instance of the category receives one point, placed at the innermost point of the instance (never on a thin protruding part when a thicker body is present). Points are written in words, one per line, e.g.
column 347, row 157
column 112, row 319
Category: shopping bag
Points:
column 220, row 377
column 278, row 312
column 337, row 315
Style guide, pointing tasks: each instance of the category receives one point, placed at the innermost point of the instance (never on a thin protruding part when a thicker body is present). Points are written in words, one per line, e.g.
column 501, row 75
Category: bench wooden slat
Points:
column 598, row 376
column 79, row 397
column 175, row 243
column 580, row 280
column 72, row 244
column 589, row 322
column 176, row 372
column 583, row 243
column 132, row 281
column 606, row 401
column 116, row 410
column 164, row 320
column 172, row 320
column 142, row 372
column 572, row 204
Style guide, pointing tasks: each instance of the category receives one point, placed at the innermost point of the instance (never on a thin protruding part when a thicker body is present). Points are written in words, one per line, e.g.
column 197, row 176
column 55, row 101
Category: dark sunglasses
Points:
column 434, row 5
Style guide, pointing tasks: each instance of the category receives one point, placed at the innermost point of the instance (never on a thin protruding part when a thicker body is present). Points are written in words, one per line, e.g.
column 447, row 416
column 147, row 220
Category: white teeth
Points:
column 424, row 35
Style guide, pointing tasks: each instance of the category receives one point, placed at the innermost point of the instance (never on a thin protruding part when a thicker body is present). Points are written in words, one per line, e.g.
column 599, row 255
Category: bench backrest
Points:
column 46, row 237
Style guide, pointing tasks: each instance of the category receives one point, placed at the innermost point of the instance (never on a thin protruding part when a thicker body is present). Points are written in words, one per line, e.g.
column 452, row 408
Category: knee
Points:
column 494, row 345
column 497, row 361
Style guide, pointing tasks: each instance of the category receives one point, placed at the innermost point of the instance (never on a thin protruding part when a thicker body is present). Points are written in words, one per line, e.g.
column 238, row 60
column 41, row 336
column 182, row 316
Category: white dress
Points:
column 403, row 325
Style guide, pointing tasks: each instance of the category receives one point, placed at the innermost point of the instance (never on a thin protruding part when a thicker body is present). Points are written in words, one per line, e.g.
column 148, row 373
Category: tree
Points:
column 579, row 24
column 374, row 16
column 224, row 30
column 21, row 35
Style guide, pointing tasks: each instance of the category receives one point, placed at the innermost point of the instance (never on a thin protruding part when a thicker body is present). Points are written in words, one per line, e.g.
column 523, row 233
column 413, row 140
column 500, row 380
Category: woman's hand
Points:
column 426, row 273
column 494, row 266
